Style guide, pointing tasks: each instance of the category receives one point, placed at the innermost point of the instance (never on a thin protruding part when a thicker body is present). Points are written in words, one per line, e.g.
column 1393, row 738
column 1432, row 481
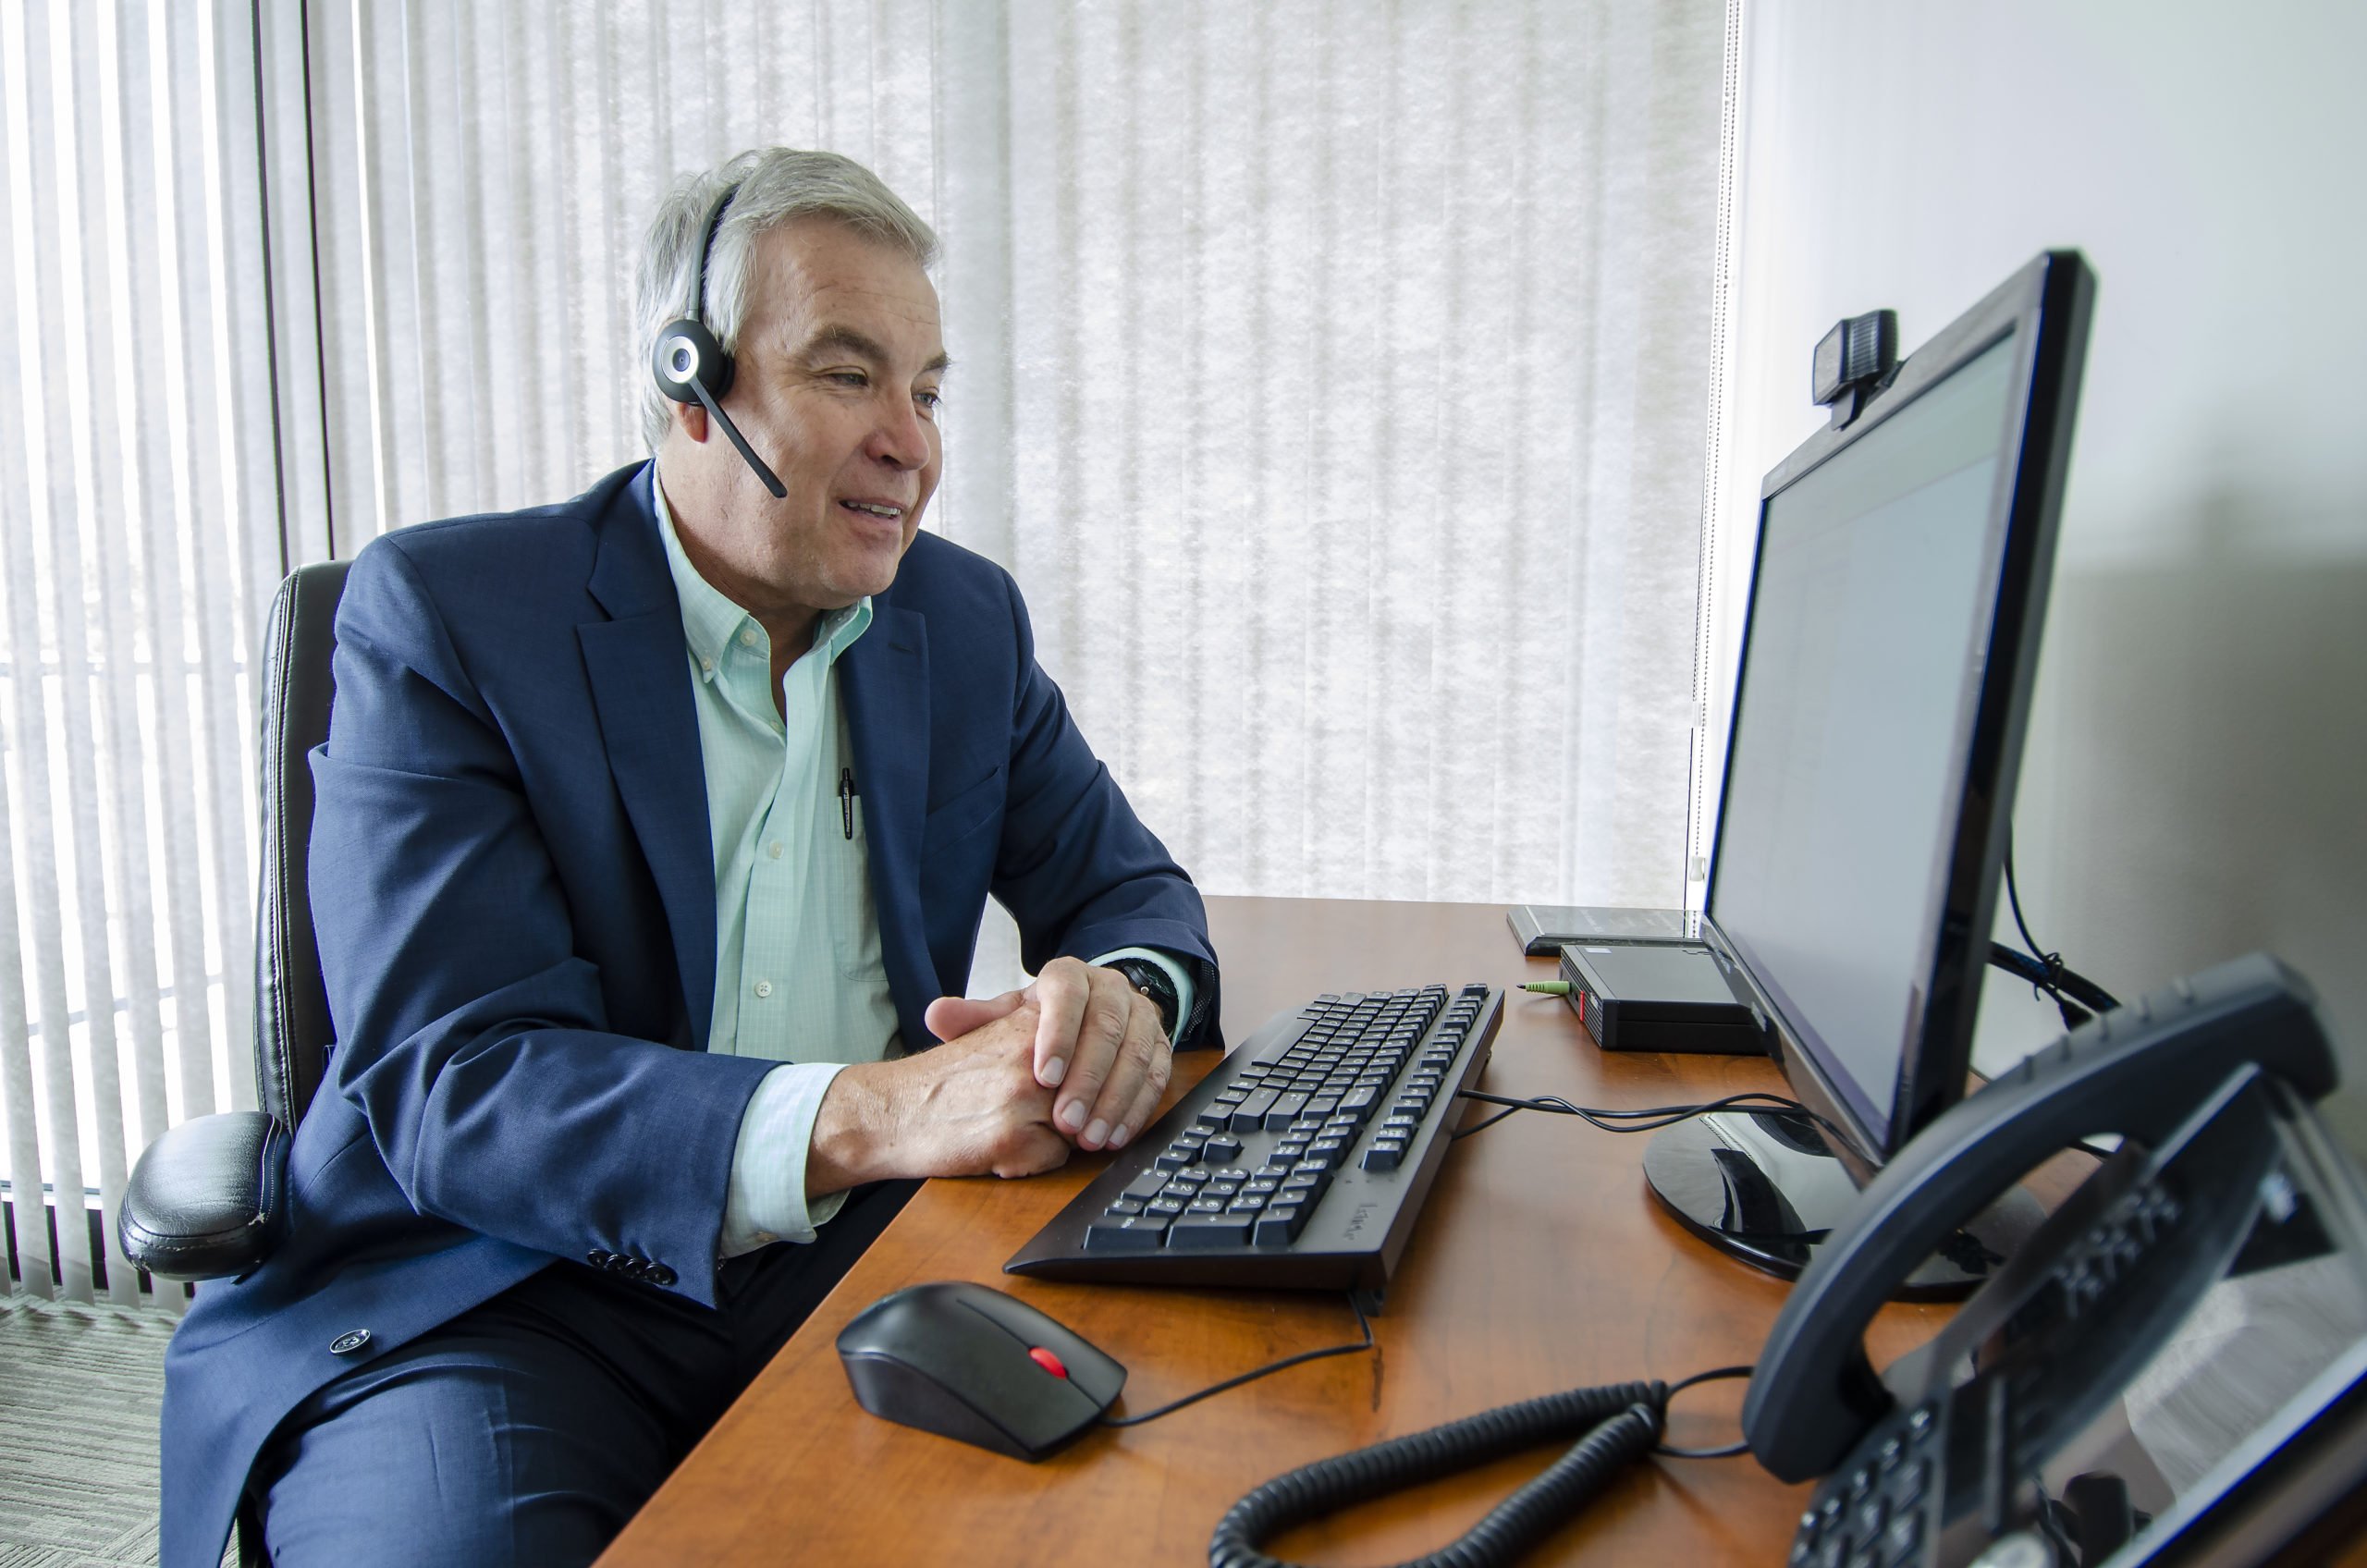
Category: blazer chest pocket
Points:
column 967, row 810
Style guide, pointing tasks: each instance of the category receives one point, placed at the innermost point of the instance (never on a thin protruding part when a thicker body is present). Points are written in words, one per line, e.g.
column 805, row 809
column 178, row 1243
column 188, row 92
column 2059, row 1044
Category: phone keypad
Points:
column 1871, row 1514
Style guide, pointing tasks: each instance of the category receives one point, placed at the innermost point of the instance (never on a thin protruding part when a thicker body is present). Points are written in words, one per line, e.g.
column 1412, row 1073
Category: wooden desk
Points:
column 1541, row 1263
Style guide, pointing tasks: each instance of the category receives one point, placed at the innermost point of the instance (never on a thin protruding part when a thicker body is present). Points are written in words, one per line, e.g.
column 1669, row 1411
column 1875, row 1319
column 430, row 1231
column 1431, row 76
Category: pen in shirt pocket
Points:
column 846, row 801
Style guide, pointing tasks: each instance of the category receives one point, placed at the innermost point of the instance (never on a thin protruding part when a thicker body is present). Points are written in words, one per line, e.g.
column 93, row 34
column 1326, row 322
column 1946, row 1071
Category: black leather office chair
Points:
column 209, row 1197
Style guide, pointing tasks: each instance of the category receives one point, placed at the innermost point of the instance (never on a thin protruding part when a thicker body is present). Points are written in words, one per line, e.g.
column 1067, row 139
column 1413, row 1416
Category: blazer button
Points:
column 346, row 1344
column 662, row 1275
column 600, row 1258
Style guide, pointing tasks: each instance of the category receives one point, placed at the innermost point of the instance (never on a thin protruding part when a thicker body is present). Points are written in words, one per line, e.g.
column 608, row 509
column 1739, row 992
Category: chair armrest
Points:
column 206, row 1199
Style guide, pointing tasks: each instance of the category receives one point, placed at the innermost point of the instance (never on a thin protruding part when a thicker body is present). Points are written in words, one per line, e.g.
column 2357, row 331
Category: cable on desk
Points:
column 1730, row 1449
column 1171, row 1406
column 1650, row 1119
column 1614, row 1424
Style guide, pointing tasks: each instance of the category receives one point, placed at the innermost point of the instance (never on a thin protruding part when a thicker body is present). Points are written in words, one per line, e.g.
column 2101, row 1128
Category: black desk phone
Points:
column 2172, row 1369
column 2161, row 1373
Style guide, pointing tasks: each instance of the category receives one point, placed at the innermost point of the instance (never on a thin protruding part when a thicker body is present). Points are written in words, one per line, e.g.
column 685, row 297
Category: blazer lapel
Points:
column 640, row 688
column 886, row 676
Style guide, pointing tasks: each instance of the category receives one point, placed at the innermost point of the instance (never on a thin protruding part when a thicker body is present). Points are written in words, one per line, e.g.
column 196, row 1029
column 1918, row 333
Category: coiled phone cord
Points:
column 1620, row 1423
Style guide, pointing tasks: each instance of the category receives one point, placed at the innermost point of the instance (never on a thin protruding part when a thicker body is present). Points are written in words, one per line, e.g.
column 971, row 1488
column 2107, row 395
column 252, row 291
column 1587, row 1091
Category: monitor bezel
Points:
column 2045, row 306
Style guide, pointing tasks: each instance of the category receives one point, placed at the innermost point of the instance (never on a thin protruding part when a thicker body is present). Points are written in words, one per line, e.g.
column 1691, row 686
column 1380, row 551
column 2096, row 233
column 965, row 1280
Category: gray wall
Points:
column 2197, row 753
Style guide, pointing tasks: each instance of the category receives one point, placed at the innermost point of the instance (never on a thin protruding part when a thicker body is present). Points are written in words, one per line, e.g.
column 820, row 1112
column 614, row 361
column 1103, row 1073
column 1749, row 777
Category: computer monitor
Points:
column 1888, row 655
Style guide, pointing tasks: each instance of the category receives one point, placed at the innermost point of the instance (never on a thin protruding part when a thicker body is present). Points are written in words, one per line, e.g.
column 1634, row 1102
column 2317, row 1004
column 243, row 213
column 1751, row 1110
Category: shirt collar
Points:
column 710, row 621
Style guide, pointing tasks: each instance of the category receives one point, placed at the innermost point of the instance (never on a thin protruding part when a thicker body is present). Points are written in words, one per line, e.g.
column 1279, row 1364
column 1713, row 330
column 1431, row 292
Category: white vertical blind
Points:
column 1354, row 407
column 137, row 537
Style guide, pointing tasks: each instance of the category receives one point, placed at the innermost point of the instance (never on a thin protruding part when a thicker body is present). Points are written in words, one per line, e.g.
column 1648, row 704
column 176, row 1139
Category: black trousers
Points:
column 529, row 1429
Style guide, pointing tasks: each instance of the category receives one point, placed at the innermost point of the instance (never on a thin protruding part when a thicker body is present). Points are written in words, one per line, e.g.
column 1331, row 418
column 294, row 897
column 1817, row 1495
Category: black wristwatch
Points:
column 1153, row 982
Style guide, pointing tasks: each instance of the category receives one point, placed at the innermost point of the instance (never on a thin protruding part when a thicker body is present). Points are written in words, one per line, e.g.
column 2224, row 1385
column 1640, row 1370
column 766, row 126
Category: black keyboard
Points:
column 1299, row 1163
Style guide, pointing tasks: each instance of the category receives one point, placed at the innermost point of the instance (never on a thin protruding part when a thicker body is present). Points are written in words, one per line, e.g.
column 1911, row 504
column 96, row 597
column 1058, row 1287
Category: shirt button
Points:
column 707, row 665
column 747, row 639
column 774, row 849
column 346, row 1344
column 763, row 987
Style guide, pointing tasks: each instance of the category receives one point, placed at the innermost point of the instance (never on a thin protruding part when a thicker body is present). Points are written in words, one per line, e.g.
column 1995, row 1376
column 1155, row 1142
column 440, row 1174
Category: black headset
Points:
column 691, row 367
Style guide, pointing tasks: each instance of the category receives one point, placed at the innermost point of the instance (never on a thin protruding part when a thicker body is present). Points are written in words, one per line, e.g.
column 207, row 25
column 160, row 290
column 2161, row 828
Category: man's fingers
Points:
column 1099, row 1035
column 1062, row 991
column 951, row 1016
column 1136, row 1116
column 1137, row 1078
column 1035, row 1151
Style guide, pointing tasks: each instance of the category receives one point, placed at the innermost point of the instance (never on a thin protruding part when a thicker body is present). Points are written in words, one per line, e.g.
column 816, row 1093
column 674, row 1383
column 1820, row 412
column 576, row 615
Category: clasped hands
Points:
column 1076, row 1059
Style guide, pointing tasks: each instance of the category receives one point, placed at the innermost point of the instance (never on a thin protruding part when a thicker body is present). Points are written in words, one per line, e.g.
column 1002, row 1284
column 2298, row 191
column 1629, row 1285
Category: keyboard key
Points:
column 1167, row 1207
column 1192, row 1175
column 1217, row 1114
column 1248, row 1203
column 1146, row 1187
column 1360, row 1099
column 1220, row 1189
column 1328, row 1146
column 1222, row 1148
column 1280, row 1224
column 1132, row 1233
column 1323, row 1105
column 1176, row 1156
column 1126, row 1206
column 1382, row 1157
column 1195, row 1233
column 1250, row 1114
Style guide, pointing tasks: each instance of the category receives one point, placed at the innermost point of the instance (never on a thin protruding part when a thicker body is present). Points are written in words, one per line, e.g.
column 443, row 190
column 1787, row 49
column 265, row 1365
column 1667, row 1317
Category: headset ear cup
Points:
column 687, row 352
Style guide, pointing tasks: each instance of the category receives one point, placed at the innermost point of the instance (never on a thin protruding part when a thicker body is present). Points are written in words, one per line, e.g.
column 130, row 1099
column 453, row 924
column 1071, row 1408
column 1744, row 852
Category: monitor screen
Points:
column 1877, row 713
column 1870, row 630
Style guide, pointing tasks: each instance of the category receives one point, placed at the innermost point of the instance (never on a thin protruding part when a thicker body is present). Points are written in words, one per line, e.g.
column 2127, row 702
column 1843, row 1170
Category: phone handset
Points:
column 2138, row 1072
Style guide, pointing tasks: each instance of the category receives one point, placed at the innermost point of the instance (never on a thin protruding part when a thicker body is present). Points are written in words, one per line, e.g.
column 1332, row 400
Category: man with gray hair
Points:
column 652, row 837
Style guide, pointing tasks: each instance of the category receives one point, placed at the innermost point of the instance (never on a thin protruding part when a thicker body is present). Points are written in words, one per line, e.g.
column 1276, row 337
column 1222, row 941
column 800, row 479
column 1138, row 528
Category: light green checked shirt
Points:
column 799, row 977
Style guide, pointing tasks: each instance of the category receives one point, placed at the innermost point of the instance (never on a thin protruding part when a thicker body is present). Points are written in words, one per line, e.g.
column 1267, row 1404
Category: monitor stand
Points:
column 1763, row 1186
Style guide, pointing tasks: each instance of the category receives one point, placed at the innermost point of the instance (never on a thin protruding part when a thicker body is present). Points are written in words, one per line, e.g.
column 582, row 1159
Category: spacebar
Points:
column 1193, row 1231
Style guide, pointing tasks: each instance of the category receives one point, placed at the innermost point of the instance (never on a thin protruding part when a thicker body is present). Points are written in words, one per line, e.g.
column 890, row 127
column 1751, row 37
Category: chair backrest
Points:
column 293, row 1030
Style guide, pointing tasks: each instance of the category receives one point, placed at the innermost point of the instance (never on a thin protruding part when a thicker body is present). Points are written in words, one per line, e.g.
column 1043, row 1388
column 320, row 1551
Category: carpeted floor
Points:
column 80, row 1387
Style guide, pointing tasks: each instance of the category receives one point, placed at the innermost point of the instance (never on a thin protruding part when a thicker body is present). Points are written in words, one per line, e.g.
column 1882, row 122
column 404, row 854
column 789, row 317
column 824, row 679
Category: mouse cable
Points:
column 1614, row 1425
column 1651, row 1119
column 1171, row 1406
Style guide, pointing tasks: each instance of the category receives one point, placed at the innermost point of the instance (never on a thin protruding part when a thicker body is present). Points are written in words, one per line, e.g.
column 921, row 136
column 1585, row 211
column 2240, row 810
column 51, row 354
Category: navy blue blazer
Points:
column 513, row 889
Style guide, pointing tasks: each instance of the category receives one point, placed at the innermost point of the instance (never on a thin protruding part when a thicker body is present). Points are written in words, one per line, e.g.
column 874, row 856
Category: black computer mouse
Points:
column 965, row 1361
